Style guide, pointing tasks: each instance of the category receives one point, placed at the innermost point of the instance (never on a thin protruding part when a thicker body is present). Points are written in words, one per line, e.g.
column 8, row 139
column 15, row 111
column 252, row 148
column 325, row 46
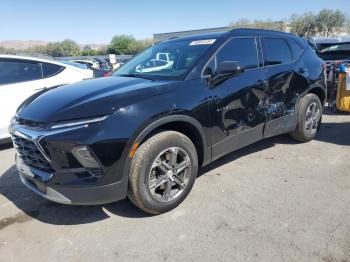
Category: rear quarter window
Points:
column 50, row 70
column 276, row 51
column 297, row 49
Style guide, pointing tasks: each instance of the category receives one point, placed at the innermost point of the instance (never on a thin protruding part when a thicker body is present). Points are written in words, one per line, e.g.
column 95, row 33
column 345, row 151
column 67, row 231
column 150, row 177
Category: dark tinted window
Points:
column 242, row 50
column 296, row 49
column 13, row 71
column 51, row 69
column 276, row 51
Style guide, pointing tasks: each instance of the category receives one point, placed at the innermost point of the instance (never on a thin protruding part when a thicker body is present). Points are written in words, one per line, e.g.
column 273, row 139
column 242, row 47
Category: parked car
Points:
column 94, row 66
column 21, row 77
column 104, row 63
column 89, row 63
column 81, row 66
column 144, row 135
column 336, row 53
column 162, row 61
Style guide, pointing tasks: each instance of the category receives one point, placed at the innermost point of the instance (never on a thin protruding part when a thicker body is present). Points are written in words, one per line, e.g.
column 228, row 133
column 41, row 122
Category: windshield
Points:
column 166, row 60
column 338, row 47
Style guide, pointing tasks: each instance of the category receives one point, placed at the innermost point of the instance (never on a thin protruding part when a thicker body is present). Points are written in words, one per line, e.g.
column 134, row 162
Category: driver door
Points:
column 236, row 109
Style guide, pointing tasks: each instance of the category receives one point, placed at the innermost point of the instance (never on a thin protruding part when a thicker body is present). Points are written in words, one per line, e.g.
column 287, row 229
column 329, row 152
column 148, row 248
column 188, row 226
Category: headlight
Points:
column 79, row 122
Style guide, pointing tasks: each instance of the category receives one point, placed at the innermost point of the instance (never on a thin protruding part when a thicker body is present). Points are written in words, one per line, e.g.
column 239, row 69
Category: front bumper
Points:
column 35, row 180
column 47, row 166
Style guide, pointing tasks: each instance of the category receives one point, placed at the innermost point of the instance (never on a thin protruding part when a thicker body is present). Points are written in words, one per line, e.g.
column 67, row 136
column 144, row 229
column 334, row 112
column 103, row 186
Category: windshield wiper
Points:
column 136, row 76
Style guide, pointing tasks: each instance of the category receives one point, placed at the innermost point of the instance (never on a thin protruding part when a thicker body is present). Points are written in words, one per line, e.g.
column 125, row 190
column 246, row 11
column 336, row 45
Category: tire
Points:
column 308, row 121
column 153, row 164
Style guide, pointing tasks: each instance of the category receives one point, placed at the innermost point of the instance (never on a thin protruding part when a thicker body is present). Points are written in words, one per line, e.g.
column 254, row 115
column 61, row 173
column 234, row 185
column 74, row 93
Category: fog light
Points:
column 83, row 155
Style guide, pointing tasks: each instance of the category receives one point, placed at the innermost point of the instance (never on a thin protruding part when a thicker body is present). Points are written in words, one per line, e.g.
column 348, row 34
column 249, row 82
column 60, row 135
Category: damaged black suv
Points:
column 179, row 105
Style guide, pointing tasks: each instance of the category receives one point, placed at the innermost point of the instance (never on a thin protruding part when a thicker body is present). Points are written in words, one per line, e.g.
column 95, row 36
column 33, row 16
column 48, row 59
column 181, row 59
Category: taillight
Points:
column 106, row 74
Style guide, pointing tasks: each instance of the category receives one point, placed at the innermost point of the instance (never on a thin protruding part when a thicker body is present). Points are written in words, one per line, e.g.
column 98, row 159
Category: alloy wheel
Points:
column 169, row 174
column 312, row 118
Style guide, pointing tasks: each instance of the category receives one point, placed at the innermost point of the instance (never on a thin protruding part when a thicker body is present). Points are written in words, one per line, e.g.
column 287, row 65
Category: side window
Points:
column 276, row 51
column 296, row 49
column 242, row 50
column 18, row 71
column 51, row 69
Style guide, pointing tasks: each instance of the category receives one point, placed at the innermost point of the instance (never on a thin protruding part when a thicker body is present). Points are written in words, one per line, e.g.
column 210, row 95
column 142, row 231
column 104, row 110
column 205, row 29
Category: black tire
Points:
column 139, row 191
column 301, row 133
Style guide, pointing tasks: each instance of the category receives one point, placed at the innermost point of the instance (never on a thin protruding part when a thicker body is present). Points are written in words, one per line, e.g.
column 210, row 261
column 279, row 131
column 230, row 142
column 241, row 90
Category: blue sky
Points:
column 91, row 21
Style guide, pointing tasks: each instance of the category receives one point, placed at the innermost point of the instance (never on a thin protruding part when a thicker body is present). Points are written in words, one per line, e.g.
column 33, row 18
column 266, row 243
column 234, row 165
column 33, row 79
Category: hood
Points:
column 90, row 98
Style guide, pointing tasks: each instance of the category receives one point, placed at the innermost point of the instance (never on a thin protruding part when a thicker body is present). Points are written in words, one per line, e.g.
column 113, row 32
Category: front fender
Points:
column 151, row 125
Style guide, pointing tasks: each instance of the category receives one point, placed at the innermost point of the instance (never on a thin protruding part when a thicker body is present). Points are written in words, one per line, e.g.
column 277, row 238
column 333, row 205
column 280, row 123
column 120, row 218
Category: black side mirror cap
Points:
column 226, row 70
column 231, row 68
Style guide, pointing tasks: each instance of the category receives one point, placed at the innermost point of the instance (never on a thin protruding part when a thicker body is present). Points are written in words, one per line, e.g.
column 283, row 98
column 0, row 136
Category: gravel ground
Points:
column 276, row 200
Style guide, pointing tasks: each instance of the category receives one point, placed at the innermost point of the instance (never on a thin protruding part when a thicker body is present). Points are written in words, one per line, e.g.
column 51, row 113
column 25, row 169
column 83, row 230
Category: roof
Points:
column 167, row 36
column 198, row 37
column 235, row 32
column 36, row 59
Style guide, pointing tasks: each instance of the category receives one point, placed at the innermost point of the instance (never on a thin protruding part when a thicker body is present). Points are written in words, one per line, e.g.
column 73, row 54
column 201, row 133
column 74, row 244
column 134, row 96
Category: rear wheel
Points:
column 309, row 118
column 162, row 172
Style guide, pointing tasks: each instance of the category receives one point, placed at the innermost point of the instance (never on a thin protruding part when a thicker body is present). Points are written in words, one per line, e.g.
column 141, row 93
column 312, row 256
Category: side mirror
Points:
column 226, row 70
column 229, row 68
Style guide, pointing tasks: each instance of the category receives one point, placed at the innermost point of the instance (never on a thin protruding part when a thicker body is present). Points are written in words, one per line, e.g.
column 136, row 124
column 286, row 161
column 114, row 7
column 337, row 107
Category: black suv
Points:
column 177, row 106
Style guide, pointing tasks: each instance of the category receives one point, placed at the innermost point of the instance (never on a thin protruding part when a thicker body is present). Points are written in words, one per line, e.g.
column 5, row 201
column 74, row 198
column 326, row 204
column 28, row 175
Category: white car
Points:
column 162, row 61
column 21, row 77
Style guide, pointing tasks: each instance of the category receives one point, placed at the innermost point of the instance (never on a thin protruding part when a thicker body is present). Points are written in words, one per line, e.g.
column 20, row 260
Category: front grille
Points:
column 30, row 154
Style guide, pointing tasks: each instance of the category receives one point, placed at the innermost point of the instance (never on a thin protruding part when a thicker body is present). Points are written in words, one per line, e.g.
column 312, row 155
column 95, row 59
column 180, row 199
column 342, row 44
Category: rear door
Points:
column 236, row 110
column 280, row 73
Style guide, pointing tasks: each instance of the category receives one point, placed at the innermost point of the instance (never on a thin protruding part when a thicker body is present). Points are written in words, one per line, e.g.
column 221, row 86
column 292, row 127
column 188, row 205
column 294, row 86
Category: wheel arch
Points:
column 184, row 124
column 320, row 92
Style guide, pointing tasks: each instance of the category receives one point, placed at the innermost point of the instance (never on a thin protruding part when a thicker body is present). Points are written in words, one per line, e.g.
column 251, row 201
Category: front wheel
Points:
column 163, row 171
column 309, row 115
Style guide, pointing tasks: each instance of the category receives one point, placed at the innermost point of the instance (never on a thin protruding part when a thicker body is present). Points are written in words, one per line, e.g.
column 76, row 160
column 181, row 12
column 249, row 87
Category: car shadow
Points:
column 59, row 214
column 253, row 148
column 332, row 112
column 335, row 133
column 49, row 212
column 5, row 145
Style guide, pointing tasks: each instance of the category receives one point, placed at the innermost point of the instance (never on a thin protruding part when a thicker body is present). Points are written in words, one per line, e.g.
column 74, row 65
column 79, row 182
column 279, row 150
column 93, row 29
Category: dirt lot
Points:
column 273, row 201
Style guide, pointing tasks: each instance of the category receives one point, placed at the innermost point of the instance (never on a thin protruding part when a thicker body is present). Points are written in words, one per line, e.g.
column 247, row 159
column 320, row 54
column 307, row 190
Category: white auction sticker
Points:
column 203, row 42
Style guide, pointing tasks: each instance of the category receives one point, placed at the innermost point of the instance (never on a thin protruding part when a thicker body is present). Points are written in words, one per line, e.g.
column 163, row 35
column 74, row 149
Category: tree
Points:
column 138, row 46
column 88, row 52
column 326, row 23
column 120, row 43
column 261, row 24
column 303, row 25
column 102, row 51
column 329, row 21
column 57, row 49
